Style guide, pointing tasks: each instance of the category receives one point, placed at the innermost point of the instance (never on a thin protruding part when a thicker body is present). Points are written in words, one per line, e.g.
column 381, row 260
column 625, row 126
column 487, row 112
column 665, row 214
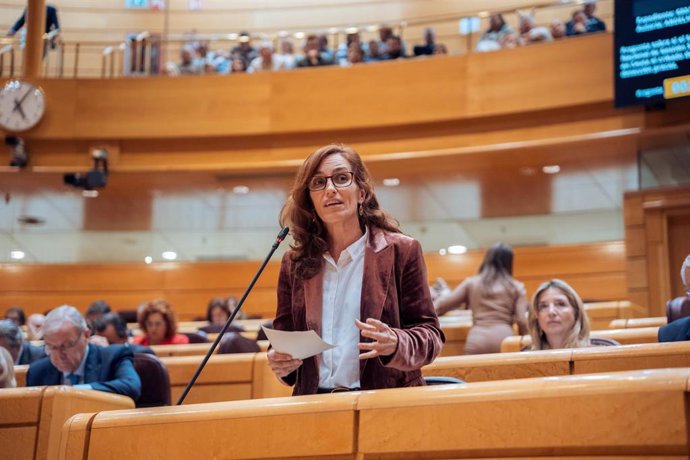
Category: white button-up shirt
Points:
column 342, row 294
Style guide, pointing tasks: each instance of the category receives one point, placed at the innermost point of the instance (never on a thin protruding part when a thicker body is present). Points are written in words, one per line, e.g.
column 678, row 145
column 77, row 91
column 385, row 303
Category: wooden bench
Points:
column 625, row 323
column 31, row 418
column 571, row 416
column 516, row 365
column 623, row 336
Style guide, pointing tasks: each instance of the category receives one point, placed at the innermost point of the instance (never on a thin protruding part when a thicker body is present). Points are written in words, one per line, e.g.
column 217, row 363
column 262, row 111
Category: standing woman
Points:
column 496, row 299
column 353, row 278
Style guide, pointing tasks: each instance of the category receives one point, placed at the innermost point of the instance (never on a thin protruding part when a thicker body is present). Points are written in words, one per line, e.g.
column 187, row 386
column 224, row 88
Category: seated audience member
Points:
column 531, row 32
column 73, row 361
column 497, row 301
column 237, row 65
column 16, row 314
column 429, row 43
column 217, row 314
column 12, row 339
column 7, row 379
column 114, row 330
column 557, row 317
column 157, row 320
column 287, row 54
column 577, row 25
column 325, row 51
column 386, row 32
column 510, row 41
column 312, row 55
column 498, row 28
column 350, row 39
column 592, row 23
column 678, row 329
column 267, row 60
column 186, row 66
column 34, row 326
column 97, row 309
column 557, row 29
column 394, row 48
column 355, row 55
column 440, row 48
column 374, row 52
column 244, row 49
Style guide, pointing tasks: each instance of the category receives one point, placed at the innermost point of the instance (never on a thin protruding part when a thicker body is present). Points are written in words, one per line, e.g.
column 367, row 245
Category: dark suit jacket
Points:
column 30, row 353
column 395, row 291
column 676, row 331
column 51, row 20
column 109, row 369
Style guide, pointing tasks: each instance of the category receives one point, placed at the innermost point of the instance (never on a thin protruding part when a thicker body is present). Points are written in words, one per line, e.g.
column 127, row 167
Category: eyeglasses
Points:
column 64, row 347
column 339, row 180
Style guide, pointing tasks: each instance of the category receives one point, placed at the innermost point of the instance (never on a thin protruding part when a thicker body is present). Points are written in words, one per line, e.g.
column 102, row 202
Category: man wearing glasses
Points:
column 73, row 361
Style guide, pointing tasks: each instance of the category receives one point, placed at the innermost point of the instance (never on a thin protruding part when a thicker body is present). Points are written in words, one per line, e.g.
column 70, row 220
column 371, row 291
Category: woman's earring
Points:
column 361, row 209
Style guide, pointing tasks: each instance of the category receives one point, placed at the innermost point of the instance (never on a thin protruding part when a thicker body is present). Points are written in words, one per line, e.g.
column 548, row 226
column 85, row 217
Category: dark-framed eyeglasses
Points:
column 340, row 180
column 62, row 348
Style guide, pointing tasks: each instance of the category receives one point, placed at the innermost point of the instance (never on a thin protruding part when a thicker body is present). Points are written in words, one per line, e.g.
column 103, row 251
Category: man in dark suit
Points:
column 73, row 361
column 12, row 339
column 52, row 22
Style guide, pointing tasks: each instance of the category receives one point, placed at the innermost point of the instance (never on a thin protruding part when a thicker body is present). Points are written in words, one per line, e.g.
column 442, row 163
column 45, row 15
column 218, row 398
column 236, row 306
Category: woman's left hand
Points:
column 385, row 340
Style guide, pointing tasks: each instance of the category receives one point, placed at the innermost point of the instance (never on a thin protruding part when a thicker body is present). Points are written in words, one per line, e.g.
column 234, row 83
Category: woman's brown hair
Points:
column 158, row 306
column 308, row 231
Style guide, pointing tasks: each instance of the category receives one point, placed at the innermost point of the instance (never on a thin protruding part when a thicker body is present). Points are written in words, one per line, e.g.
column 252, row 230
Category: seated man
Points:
column 12, row 339
column 678, row 328
column 114, row 330
column 73, row 361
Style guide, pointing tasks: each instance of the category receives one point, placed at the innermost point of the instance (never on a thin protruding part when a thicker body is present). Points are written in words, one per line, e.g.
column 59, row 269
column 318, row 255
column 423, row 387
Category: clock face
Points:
column 21, row 105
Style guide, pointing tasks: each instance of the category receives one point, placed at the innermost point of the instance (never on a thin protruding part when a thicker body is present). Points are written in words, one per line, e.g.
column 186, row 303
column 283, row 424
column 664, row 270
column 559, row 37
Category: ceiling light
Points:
column 240, row 189
column 299, row 35
column 457, row 249
column 551, row 169
column 351, row 30
column 148, row 259
column 169, row 255
column 442, row 251
column 89, row 193
column 17, row 255
column 391, row 182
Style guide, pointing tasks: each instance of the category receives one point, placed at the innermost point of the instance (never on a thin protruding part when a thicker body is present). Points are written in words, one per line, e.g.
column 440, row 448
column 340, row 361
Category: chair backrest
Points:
column 440, row 380
column 196, row 337
column 677, row 308
column 603, row 342
column 216, row 328
column 155, row 381
column 128, row 316
column 233, row 342
column 261, row 335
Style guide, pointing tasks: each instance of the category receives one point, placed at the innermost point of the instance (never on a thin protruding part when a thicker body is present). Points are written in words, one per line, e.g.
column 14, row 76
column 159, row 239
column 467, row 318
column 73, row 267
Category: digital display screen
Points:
column 652, row 51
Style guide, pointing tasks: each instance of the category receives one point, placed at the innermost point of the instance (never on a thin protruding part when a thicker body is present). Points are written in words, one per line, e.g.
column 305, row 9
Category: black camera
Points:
column 96, row 178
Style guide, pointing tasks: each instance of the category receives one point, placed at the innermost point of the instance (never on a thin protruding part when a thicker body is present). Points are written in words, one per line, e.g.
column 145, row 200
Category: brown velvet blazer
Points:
column 395, row 291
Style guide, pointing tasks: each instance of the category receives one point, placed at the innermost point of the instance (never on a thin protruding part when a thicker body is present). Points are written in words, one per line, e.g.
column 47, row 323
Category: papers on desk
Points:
column 298, row 344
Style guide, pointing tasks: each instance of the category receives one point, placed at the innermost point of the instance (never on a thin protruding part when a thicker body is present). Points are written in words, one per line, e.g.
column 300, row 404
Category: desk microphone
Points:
column 279, row 239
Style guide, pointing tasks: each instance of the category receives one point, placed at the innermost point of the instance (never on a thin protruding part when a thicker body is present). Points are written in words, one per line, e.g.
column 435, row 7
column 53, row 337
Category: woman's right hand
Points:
column 282, row 364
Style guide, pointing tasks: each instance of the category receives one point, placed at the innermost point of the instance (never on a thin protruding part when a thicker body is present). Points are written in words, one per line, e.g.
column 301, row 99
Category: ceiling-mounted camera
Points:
column 94, row 179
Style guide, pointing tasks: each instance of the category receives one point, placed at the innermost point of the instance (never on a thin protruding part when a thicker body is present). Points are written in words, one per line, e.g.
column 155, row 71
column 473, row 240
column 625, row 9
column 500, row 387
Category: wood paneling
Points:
column 597, row 271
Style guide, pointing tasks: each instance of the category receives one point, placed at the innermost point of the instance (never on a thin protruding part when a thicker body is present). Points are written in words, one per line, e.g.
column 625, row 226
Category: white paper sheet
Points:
column 298, row 344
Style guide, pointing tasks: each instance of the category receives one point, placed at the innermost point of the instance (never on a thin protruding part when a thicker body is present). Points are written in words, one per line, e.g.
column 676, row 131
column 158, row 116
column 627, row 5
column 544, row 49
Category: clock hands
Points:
column 18, row 103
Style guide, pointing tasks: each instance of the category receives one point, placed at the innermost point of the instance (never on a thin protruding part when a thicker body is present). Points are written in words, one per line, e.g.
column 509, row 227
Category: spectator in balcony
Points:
column 557, row 29
column 244, row 50
column 440, row 48
column 577, row 25
column 158, row 322
column 355, row 55
column 497, row 301
column 394, row 48
column 325, row 51
column 350, row 39
column 374, row 52
column 237, row 65
column 287, row 54
column 266, row 61
column 7, row 379
column 530, row 32
column 594, row 24
column 429, row 43
column 52, row 22
column 557, row 317
column 385, row 32
column 187, row 66
column 312, row 56
column 204, row 58
column 16, row 314
column 498, row 28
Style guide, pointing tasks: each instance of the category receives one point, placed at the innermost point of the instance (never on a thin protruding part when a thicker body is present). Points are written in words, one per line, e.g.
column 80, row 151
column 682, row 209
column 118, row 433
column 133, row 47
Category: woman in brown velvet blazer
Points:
column 352, row 277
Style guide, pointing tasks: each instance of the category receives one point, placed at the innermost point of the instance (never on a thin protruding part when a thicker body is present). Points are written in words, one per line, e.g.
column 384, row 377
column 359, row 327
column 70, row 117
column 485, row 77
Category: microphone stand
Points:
column 279, row 239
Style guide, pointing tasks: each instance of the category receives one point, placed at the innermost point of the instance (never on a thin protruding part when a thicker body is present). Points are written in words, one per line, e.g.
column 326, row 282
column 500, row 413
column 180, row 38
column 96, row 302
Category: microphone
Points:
column 279, row 239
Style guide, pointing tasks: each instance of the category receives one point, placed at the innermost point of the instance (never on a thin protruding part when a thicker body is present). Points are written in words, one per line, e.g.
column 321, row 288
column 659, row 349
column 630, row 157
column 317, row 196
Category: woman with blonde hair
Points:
column 557, row 317
column 7, row 379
